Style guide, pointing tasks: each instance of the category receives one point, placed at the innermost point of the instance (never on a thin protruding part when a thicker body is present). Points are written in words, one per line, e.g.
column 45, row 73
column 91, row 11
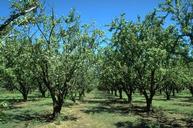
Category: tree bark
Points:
column 43, row 94
column 120, row 94
column 112, row 91
column 191, row 90
column 149, row 100
column 24, row 94
column 24, row 90
column 15, row 16
column 149, row 104
column 115, row 92
column 129, row 98
column 42, row 91
column 168, row 96
column 168, row 90
column 173, row 92
column 129, row 91
column 56, row 109
column 58, row 100
column 160, row 92
column 81, row 95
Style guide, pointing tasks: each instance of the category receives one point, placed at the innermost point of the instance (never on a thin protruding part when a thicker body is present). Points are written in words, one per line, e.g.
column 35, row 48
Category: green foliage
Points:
column 65, row 57
column 144, row 55
column 181, row 11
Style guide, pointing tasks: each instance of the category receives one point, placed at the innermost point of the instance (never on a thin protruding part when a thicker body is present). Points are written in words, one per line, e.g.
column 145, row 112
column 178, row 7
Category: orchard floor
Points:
column 98, row 110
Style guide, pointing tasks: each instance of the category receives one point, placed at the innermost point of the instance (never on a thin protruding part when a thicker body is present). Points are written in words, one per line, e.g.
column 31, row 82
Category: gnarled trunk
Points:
column 24, row 90
column 56, row 109
column 129, row 91
column 58, row 101
column 149, row 99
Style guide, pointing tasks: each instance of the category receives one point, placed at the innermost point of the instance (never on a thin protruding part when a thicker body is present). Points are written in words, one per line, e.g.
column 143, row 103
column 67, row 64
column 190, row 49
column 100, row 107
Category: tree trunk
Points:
column 149, row 100
column 168, row 92
column 173, row 91
column 24, row 94
column 115, row 92
column 191, row 90
column 81, row 96
column 58, row 100
column 152, row 91
column 149, row 104
column 43, row 94
column 129, row 98
column 129, row 91
column 120, row 94
column 42, row 91
column 160, row 92
column 112, row 91
column 56, row 95
column 73, row 98
column 168, row 96
column 56, row 109
column 24, row 90
column 57, row 104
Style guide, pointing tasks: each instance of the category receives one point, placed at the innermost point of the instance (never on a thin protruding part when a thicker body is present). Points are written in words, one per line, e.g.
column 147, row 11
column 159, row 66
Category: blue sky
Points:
column 100, row 11
column 103, row 11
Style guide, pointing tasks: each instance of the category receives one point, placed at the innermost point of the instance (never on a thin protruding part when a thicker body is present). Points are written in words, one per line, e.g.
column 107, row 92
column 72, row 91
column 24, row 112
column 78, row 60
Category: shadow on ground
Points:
column 12, row 110
column 145, row 123
column 146, row 120
column 28, row 116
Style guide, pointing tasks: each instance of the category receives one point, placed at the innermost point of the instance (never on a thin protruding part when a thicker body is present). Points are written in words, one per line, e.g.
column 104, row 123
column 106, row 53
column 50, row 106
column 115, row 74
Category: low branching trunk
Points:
column 58, row 100
column 24, row 90
column 149, row 100
column 168, row 90
column 56, row 110
column 129, row 91
column 152, row 90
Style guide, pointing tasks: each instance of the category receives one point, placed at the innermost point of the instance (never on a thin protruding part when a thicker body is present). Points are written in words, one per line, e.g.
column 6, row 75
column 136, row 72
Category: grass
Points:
column 98, row 110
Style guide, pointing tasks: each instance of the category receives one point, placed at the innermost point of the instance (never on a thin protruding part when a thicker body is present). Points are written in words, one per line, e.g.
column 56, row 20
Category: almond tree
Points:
column 145, row 48
column 60, row 53
column 17, row 64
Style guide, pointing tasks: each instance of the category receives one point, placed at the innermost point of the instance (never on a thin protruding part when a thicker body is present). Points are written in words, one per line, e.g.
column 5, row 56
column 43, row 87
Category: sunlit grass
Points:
column 95, row 112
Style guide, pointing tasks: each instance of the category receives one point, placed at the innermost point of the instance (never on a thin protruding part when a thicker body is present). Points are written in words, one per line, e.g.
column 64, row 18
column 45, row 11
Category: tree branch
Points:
column 15, row 16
